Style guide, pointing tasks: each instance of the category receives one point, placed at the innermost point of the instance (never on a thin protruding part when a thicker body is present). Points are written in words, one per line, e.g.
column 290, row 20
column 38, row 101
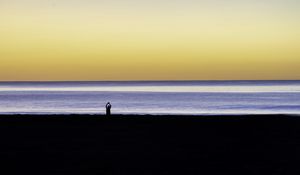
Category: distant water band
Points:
column 151, row 97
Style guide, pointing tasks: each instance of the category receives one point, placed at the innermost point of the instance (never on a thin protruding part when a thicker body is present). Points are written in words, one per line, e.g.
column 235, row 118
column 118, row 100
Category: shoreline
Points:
column 147, row 115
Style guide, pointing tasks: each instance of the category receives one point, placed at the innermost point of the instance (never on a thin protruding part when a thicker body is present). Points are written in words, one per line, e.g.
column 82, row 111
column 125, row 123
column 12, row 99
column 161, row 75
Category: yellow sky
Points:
column 48, row 40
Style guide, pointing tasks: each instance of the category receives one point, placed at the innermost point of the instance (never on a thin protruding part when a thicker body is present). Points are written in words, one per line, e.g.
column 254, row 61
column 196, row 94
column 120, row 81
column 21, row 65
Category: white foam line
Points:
column 233, row 89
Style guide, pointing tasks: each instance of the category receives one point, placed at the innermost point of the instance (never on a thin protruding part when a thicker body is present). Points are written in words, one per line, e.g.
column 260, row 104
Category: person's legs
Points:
column 107, row 111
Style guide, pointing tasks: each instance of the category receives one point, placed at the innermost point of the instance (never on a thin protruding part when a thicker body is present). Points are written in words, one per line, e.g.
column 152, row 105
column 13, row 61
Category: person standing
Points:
column 108, row 107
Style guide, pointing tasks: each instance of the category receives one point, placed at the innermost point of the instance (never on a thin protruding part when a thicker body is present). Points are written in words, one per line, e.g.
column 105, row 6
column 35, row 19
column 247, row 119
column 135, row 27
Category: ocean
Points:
column 151, row 97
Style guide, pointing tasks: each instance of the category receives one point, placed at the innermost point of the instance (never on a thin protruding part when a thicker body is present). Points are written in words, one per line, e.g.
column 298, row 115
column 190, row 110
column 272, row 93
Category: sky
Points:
column 103, row 40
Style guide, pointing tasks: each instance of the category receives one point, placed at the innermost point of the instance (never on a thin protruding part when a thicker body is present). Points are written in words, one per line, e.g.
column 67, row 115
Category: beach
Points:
column 148, row 144
column 136, row 87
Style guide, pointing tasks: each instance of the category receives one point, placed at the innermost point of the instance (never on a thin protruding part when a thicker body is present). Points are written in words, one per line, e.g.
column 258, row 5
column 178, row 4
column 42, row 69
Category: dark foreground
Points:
column 150, row 145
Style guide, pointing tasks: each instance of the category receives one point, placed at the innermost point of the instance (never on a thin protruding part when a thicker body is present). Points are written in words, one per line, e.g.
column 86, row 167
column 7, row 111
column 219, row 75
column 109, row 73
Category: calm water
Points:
column 189, row 97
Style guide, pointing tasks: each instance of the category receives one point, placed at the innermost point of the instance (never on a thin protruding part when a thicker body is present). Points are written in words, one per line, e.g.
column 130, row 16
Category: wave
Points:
column 238, row 89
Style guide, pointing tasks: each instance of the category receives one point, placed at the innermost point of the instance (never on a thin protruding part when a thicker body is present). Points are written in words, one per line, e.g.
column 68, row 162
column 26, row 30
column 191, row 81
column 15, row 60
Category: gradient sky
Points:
column 48, row 40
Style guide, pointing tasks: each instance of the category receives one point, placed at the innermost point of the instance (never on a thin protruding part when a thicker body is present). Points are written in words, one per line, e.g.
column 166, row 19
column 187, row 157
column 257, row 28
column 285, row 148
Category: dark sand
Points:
column 150, row 145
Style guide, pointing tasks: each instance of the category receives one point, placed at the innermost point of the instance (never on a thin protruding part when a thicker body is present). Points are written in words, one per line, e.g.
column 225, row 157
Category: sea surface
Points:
column 151, row 97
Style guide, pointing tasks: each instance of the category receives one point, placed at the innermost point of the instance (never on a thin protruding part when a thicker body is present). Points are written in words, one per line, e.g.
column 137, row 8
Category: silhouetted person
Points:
column 108, row 107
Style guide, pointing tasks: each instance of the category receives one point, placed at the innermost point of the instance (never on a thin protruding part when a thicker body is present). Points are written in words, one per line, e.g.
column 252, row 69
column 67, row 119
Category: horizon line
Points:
column 13, row 81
